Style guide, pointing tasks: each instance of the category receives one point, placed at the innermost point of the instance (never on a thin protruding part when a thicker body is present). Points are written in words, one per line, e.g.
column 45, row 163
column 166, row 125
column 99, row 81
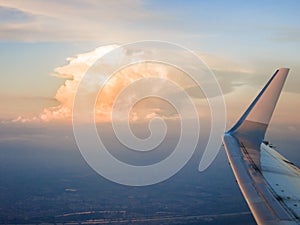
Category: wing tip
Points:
column 283, row 70
column 262, row 113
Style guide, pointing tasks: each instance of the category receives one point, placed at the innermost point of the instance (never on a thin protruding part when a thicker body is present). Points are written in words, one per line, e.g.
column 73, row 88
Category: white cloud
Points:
column 222, row 64
column 78, row 20
column 78, row 65
column 76, row 68
column 74, row 71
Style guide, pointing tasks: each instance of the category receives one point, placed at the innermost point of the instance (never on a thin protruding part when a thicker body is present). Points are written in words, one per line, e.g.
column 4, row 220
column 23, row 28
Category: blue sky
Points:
column 241, row 30
column 234, row 36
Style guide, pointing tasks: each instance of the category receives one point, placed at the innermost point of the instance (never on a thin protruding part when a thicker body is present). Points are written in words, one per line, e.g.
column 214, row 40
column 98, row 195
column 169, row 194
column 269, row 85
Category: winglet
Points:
column 257, row 117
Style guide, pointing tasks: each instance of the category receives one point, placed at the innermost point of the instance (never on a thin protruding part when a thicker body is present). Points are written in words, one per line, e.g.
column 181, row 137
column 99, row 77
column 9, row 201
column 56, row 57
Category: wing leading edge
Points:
column 268, row 181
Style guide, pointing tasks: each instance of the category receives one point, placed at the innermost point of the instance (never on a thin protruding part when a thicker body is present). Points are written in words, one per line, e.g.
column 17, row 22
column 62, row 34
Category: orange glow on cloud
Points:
column 75, row 70
column 77, row 67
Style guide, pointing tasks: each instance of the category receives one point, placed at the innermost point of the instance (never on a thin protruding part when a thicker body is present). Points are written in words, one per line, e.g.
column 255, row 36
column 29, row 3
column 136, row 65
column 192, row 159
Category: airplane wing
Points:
column 268, row 181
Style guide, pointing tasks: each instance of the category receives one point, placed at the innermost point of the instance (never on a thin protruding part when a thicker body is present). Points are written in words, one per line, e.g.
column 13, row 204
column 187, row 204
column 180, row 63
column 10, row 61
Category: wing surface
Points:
column 269, row 182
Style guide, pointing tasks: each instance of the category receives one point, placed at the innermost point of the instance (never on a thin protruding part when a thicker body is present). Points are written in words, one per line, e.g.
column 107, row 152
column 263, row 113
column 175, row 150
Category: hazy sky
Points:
column 243, row 42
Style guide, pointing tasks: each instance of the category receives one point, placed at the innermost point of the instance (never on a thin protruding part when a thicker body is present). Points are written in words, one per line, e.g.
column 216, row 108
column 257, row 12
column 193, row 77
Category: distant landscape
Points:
column 44, row 185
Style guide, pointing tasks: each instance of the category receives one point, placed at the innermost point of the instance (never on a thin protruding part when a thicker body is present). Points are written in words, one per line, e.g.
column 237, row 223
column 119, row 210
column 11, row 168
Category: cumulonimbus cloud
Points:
column 77, row 67
column 74, row 71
